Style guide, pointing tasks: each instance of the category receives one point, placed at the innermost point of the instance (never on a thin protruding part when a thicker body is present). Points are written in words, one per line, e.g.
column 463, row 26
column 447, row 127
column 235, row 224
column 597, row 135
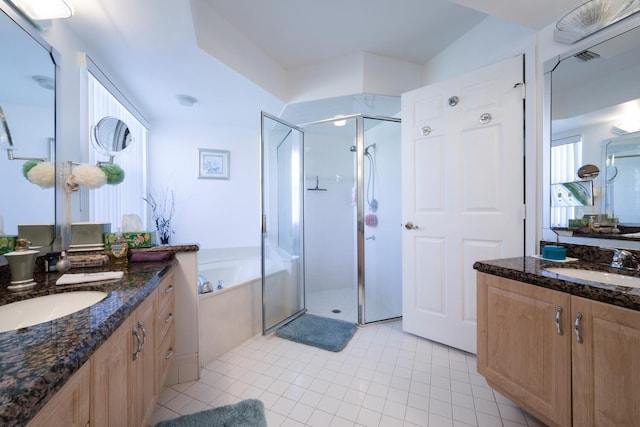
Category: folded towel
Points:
column 73, row 279
column 149, row 256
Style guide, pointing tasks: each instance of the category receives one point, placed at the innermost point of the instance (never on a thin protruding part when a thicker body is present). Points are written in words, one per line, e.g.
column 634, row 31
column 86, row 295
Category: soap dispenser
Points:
column 21, row 263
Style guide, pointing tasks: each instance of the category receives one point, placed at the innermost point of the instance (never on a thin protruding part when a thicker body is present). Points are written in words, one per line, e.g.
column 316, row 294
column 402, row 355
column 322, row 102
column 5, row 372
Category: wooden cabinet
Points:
column 110, row 380
column 567, row 360
column 70, row 406
column 522, row 352
column 165, row 330
column 606, row 365
column 142, row 370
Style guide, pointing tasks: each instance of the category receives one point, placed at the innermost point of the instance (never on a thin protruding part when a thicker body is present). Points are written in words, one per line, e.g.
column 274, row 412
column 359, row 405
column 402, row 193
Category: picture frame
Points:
column 214, row 164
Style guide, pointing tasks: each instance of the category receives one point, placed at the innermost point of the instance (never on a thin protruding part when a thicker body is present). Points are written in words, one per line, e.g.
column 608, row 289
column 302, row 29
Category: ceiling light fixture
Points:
column 45, row 82
column 591, row 17
column 39, row 10
column 624, row 128
column 339, row 123
column 186, row 100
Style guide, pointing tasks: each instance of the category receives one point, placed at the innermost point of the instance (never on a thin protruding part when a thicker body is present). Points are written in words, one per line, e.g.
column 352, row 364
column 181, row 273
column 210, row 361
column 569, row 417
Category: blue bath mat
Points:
column 321, row 332
column 247, row 413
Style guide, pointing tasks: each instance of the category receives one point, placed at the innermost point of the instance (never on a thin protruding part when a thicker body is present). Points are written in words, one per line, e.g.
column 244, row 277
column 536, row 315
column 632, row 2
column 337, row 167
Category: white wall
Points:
column 215, row 213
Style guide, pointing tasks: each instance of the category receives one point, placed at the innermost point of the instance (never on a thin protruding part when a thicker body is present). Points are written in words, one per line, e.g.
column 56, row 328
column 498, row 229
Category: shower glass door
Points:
column 380, row 290
column 283, row 284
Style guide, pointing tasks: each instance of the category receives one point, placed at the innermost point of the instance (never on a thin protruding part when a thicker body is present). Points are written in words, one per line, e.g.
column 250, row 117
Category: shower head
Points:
column 366, row 150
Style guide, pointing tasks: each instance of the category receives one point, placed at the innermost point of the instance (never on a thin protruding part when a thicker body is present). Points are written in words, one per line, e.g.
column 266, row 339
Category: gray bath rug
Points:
column 247, row 413
column 321, row 332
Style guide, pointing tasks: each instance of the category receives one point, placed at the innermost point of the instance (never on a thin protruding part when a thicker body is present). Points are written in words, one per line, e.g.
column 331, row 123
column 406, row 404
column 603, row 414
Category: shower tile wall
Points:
column 329, row 216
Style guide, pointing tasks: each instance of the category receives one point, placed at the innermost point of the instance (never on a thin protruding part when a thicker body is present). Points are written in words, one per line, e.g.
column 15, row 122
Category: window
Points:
column 110, row 202
column 566, row 158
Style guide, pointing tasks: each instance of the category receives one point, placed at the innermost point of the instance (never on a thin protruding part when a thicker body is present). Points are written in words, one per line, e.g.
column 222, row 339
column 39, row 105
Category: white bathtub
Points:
column 229, row 316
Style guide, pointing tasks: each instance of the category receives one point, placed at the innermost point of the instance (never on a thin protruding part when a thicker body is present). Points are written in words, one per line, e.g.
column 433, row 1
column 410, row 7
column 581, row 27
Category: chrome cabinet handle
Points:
column 169, row 354
column 169, row 289
column 169, row 318
column 137, row 335
column 576, row 327
column 558, row 314
column 144, row 335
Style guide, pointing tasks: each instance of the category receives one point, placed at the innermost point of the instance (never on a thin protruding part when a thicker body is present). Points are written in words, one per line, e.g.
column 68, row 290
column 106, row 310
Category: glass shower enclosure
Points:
column 334, row 187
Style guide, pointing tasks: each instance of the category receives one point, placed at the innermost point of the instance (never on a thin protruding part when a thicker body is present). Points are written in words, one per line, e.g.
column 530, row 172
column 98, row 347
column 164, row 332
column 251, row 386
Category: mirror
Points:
column 595, row 98
column 111, row 136
column 622, row 189
column 27, row 98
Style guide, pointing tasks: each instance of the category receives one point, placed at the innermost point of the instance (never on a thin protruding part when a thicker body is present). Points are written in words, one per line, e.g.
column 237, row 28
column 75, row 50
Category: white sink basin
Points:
column 597, row 276
column 32, row 311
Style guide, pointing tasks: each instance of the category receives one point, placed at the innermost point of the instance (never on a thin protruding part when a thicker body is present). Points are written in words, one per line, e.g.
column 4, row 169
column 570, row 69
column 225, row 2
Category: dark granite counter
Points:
column 35, row 362
column 531, row 270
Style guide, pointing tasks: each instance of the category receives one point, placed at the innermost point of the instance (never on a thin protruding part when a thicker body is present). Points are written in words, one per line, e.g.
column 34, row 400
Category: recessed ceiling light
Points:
column 339, row 122
column 186, row 100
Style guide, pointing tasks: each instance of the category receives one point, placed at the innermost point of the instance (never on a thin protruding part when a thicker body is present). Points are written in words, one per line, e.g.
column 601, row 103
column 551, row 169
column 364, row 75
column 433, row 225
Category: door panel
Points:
column 463, row 189
column 282, row 146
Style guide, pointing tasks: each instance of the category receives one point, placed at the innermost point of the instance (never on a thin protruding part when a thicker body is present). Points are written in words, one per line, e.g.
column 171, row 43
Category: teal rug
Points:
column 321, row 332
column 247, row 413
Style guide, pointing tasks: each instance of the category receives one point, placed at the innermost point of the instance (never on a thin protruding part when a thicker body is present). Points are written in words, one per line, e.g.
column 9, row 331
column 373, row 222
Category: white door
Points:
column 463, row 192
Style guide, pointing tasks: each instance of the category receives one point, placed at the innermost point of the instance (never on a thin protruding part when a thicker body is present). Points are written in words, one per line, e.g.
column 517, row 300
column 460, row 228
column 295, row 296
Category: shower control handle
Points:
column 409, row 226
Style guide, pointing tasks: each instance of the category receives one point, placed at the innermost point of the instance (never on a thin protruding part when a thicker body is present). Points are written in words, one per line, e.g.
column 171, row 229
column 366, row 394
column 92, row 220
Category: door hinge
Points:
column 524, row 212
column 524, row 88
column 264, row 224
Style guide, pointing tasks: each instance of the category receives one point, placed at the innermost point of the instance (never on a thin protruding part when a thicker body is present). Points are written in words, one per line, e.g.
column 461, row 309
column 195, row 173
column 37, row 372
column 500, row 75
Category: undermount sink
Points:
column 597, row 276
column 22, row 314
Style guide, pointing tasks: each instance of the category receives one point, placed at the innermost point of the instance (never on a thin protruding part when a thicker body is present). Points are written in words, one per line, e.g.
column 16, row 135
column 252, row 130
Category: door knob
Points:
column 409, row 226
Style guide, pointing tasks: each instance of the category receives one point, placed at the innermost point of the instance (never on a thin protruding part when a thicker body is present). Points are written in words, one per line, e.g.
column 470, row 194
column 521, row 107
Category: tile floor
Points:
column 384, row 377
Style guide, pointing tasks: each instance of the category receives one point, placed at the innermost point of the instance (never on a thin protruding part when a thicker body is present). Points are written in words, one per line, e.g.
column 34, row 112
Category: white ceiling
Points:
column 150, row 46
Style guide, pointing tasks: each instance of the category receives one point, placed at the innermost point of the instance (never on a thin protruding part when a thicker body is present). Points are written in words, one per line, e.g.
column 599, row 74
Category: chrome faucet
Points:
column 624, row 259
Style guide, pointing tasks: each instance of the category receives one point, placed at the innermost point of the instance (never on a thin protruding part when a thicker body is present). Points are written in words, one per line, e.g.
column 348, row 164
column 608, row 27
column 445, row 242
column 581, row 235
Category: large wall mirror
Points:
column 594, row 120
column 27, row 98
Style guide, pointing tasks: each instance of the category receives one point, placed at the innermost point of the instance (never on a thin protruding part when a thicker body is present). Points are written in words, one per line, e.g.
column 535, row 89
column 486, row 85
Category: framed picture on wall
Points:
column 214, row 164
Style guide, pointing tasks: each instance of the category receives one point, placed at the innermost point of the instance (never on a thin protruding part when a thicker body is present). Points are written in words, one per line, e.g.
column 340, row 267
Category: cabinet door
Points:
column 523, row 352
column 109, row 380
column 142, row 368
column 606, row 363
column 70, row 406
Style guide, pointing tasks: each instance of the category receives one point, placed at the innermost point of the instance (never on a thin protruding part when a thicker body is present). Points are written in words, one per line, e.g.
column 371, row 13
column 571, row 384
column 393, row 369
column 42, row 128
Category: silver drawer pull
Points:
column 558, row 325
column 169, row 354
column 137, row 335
column 576, row 327
column 144, row 334
column 169, row 289
column 169, row 318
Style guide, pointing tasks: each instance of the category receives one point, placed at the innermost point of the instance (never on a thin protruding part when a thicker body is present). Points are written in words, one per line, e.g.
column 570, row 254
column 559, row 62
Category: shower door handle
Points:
column 409, row 226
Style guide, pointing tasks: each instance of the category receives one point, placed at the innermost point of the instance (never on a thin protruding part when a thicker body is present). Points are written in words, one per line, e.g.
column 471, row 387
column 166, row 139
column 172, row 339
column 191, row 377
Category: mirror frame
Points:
column 110, row 147
column 547, row 234
column 31, row 29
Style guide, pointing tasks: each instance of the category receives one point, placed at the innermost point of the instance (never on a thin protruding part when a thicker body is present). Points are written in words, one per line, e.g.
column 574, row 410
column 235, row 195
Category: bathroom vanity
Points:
column 105, row 364
column 565, row 350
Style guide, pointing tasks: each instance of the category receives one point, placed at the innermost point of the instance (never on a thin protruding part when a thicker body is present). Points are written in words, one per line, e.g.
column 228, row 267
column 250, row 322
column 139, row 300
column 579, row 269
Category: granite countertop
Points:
column 35, row 362
column 531, row 270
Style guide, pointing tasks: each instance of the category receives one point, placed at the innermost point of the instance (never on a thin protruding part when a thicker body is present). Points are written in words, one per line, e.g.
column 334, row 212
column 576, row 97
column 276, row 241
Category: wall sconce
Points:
column 591, row 17
column 38, row 10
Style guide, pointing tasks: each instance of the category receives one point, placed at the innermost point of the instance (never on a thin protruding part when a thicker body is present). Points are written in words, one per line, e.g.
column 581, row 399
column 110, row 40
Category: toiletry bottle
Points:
column 119, row 248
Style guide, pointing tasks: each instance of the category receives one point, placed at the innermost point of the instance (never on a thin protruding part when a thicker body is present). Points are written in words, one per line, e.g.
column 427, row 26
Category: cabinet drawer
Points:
column 166, row 290
column 164, row 356
column 165, row 319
